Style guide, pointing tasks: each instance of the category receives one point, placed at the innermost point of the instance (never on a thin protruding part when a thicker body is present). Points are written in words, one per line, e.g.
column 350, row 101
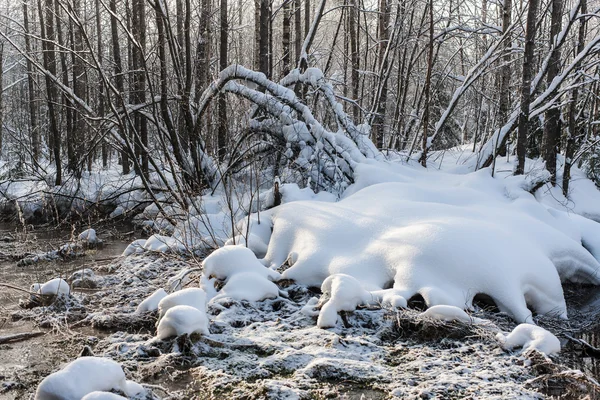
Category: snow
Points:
column 193, row 297
column 97, row 395
column 229, row 260
column 162, row 244
column 254, row 243
column 530, row 337
column 444, row 236
column 89, row 236
column 137, row 246
column 346, row 293
column 54, row 286
column 180, row 320
column 151, row 302
column 449, row 313
column 83, row 376
column 248, row 286
column 244, row 275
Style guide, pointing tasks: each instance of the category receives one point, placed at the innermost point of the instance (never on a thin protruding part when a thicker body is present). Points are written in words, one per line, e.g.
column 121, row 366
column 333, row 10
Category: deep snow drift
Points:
column 444, row 236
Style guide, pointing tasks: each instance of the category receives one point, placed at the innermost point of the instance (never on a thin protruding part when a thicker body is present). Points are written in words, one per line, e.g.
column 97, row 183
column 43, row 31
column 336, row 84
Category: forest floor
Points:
column 273, row 349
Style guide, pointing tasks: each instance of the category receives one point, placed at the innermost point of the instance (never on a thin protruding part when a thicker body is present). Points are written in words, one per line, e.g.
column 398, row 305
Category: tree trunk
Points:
column 504, row 102
column 79, row 88
column 34, row 132
column 297, row 29
column 101, row 85
column 427, row 89
column 574, row 134
column 263, row 45
column 119, row 80
column 47, row 34
column 223, row 48
column 378, row 131
column 552, row 121
column 523, row 128
column 354, row 57
column 285, row 39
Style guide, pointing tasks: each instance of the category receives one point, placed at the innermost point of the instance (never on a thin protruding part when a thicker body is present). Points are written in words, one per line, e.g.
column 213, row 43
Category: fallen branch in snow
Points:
column 19, row 337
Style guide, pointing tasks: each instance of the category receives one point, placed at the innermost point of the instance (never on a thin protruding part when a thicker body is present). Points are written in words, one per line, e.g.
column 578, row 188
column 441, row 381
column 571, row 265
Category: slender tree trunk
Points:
column 47, row 34
column 575, row 132
column 138, row 26
column 33, row 119
column 378, row 131
column 297, row 29
column 222, row 133
column 504, row 102
column 552, row 126
column 263, row 45
column 354, row 57
column 66, row 107
column 79, row 88
column 285, row 39
column 523, row 128
column 119, row 79
column 427, row 89
column 100, row 49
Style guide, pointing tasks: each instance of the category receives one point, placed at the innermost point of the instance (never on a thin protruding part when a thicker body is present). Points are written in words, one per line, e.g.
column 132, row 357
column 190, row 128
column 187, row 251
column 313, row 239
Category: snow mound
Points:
column 181, row 320
column 102, row 396
column 83, row 376
column 89, row 236
column 135, row 247
column 254, row 243
column 345, row 293
column 248, row 286
column 445, row 237
column 151, row 302
column 229, row 260
column 450, row 313
column 245, row 277
column 193, row 297
column 54, row 286
column 530, row 337
column 163, row 244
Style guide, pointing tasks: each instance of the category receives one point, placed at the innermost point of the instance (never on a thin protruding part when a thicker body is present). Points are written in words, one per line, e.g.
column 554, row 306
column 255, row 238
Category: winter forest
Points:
column 299, row 199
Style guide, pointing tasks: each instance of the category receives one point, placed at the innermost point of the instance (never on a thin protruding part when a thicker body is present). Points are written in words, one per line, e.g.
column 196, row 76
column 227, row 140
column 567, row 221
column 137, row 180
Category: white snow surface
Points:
column 530, row 337
column 180, row 320
column 151, row 302
column 248, row 286
column 162, row 244
column 193, row 297
column 229, row 260
column 449, row 313
column 444, row 236
column 54, row 286
column 89, row 236
column 97, row 395
column 246, row 278
column 137, row 246
column 83, row 376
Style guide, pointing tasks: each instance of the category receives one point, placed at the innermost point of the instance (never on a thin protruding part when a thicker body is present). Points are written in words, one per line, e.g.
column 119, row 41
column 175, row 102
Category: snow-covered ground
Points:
column 315, row 306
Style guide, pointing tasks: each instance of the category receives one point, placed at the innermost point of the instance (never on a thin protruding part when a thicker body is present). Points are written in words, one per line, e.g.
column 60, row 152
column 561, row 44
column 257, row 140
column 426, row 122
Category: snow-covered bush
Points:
column 151, row 302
